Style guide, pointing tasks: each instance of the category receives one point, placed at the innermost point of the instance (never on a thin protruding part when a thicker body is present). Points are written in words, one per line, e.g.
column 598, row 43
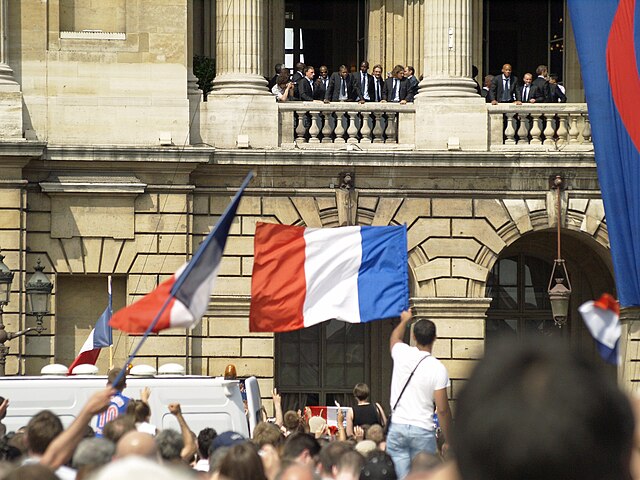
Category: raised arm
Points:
column 189, row 444
column 397, row 335
column 277, row 406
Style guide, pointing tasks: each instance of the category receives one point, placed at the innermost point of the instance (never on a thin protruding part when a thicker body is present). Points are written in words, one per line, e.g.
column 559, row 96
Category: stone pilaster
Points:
column 240, row 28
column 628, row 375
column 7, row 80
column 10, row 94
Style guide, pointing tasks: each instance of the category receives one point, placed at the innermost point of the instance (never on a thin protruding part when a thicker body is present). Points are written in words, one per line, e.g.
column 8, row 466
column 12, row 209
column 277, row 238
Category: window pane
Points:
column 501, row 328
column 288, row 374
column 541, row 326
column 508, row 272
column 507, row 298
column 288, row 39
column 334, row 374
column 309, row 375
column 355, row 374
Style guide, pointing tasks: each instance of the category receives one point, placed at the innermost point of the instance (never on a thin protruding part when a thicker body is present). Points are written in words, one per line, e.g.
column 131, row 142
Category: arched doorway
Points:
column 519, row 279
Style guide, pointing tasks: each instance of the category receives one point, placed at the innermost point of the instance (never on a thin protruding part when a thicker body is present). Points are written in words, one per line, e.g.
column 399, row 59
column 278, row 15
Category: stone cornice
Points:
column 454, row 308
column 229, row 305
column 122, row 153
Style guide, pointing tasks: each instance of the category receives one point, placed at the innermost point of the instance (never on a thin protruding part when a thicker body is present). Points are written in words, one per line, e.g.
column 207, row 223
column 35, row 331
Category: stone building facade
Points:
column 112, row 164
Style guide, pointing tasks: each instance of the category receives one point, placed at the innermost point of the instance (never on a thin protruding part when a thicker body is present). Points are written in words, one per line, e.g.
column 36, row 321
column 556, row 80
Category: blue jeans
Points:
column 404, row 442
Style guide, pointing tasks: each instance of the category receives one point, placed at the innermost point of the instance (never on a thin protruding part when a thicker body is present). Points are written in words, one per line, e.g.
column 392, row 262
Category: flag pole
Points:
column 110, row 313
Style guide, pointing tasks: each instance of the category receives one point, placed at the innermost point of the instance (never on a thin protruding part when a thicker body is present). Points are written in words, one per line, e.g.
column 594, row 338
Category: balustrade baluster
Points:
column 563, row 131
column 378, row 129
column 314, row 128
column 536, row 130
column 573, row 129
column 365, row 131
column 523, row 129
column 549, row 131
column 510, row 131
column 352, row 131
column 586, row 130
column 327, row 127
column 339, row 128
column 392, row 129
column 301, row 127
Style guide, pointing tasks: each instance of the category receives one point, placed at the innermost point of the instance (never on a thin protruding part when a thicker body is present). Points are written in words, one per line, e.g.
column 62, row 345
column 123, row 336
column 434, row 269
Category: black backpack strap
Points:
column 408, row 380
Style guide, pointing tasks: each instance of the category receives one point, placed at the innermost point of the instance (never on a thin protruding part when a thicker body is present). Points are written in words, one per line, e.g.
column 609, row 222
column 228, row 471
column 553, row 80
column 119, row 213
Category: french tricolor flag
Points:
column 304, row 276
column 602, row 318
column 182, row 300
column 100, row 337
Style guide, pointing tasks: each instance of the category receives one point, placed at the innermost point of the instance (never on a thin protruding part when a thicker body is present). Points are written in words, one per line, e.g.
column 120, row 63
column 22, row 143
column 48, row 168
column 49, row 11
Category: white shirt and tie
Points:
column 364, row 83
column 396, row 90
column 525, row 92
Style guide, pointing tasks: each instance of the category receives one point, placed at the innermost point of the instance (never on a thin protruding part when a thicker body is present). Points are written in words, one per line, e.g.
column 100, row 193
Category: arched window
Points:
column 520, row 305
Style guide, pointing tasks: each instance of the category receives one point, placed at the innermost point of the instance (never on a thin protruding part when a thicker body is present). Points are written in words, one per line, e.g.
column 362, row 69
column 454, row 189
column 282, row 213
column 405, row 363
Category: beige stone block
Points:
column 258, row 347
column 442, row 347
column 247, row 266
column 425, row 228
column 493, row 211
column 452, row 247
column 479, row 229
column 536, row 204
column 249, row 223
column 228, row 327
column 232, row 286
column 220, row 347
column 218, row 203
column 92, row 251
column 451, row 287
column 519, row 213
column 74, row 254
column 459, row 368
column 467, row 348
column 281, row 208
column 143, row 244
column 163, row 345
column 35, row 345
column 230, row 266
column 411, row 209
column 201, row 204
column 451, row 207
column 440, row 267
column 146, row 203
column 168, row 264
column 462, row 267
column 97, row 216
column 249, row 206
column 110, row 253
column 578, row 204
column 308, row 211
column 260, row 367
column 367, row 203
column 458, row 328
column 326, row 203
column 10, row 239
column 168, row 243
column 36, row 221
column 172, row 203
column 38, row 202
column 160, row 223
column 239, row 246
column 593, row 216
column 141, row 284
column 385, row 210
column 266, row 388
column 10, row 198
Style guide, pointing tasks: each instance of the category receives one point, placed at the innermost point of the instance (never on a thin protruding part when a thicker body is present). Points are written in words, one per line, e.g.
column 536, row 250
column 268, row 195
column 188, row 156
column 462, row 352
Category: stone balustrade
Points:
column 315, row 123
column 531, row 126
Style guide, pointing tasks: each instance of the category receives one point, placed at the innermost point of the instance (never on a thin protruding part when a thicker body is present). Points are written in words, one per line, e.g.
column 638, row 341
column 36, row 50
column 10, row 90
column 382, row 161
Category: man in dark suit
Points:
column 378, row 83
column 295, row 78
column 556, row 91
column 484, row 92
column 363, row 82
column 528, row 92
column 396, row 88
column 305, row 84
column 341, row 88
column 322, row 83
column 503, row 87
column 410, row 77
column 272, row 82
column 542, row 82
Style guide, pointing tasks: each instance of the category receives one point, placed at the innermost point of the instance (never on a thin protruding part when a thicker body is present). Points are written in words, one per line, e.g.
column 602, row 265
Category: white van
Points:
column 205, row 401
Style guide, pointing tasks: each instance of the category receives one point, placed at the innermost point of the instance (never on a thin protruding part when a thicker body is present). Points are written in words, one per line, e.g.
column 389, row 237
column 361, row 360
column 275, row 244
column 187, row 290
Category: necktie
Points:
column 525, row 97
column 395, row 89
column 343, row 88
column 311, row 83
column 363, row 82
column 377, row 90
column 505, row 93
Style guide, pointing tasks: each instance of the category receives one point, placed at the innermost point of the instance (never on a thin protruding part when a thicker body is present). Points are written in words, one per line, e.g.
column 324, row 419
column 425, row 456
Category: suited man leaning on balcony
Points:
column 341, row 88
column 504, row 87
column 396, row 88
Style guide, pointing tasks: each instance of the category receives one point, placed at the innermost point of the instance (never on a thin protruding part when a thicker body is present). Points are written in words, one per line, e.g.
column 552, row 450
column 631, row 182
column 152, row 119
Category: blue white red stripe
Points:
column 304, row 276
column 602, row 318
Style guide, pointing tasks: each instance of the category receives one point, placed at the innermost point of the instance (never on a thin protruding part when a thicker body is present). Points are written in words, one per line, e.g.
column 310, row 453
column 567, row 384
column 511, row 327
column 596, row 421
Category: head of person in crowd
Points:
column 267, row 433
column 538, row 410
column 375, row 433
column 409, row 71
column 140, row 468
column 300, row 67
column 361, row 392
column 344, row 71
column 309, row 72
column 91, row 454
column 137, row 443
column 474, row 71
column 290, row 470
column 242, row 462
column 425, row 462
column 215, row 458
column 330, row 455
column 33, row 471
column 506, row 70
column 8, row 452
column 378, row 466
column 487, row 81
column 205, row 438
column 348, row 466
column 170, row 444
column 116, row 428
column 324, row 71
column 139, row 410
column 527, row 78
column 17, row 440
column 302, row 448
column 364, row 447
column 41, row 430
column 113, row 375
column 542, row 71
column 398, row 72
column 424, row 332
column 377, row 71
column 553, row 78
column 292, row 422
column 283, row 77
column 364, row 66
column 277, row 68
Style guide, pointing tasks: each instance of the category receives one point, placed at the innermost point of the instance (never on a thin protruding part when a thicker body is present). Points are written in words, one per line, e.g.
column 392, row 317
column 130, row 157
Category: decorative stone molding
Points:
column 229, row 305
column 94, row 35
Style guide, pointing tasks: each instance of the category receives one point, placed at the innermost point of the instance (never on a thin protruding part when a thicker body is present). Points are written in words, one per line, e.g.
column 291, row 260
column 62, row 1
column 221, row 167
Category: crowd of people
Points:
column 530, row 410
column 400, row 85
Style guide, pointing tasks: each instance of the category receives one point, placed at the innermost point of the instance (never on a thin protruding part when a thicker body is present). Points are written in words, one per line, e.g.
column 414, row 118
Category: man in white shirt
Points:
column 412, row 428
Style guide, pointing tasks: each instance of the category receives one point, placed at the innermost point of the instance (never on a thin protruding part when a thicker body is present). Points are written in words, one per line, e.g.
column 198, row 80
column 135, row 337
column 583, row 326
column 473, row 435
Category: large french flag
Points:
column 602, row 318
column 101, row 336
column 607, row 36
column 182, row 300
column 304, row 276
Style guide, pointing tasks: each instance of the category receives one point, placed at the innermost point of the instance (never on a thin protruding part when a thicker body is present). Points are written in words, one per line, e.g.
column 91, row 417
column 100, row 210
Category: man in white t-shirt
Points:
column 412, row 427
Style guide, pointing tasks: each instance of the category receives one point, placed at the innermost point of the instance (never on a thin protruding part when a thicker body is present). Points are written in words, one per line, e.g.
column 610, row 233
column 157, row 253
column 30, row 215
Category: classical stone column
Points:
column 7, row 80
column 240, row 28
column 447, row 49
column 628, row 372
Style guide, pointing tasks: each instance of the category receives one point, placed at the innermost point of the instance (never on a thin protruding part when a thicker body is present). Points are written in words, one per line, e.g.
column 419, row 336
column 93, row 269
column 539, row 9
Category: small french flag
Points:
column 100, row 337
column 602, row 318
column 304, row 276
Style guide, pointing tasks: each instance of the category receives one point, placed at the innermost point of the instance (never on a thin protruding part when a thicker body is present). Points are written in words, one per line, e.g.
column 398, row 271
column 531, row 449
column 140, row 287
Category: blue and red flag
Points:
column 100, row 337
column 602, row 318
column 182, row 300
column 607, row 36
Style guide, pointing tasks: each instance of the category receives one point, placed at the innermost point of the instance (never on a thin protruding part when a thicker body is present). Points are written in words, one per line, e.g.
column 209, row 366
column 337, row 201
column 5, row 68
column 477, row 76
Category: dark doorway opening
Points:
column 329, row 32
column 524, row 34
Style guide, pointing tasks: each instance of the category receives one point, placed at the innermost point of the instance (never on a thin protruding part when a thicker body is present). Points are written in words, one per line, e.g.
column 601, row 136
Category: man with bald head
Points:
column 503, row 87
column 137, row 443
